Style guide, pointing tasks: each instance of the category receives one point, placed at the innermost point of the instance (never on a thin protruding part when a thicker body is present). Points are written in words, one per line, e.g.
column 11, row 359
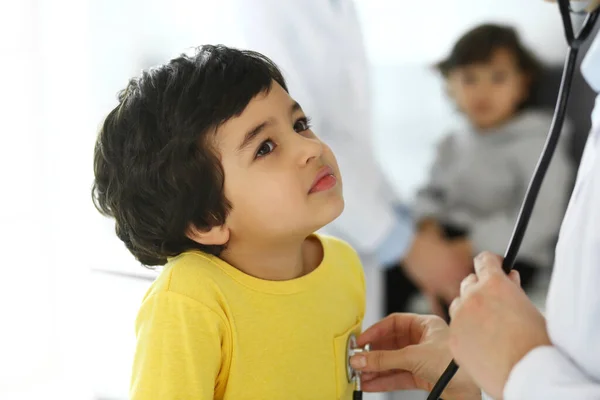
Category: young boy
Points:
column 210, row 167
column 482, row 170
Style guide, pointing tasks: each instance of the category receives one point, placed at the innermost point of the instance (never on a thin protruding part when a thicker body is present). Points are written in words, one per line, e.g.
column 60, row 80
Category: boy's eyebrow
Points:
column 254, row 132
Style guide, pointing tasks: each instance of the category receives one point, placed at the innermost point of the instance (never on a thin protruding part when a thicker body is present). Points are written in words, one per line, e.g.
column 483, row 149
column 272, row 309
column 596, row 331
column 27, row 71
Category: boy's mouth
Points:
column 482, row 107
column 324, row 180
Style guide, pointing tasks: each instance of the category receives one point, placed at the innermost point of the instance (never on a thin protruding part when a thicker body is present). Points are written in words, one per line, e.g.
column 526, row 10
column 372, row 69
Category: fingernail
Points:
column 358, row 362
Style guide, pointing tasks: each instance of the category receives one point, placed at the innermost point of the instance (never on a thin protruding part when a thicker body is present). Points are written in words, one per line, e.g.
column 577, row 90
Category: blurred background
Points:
column 70, row 290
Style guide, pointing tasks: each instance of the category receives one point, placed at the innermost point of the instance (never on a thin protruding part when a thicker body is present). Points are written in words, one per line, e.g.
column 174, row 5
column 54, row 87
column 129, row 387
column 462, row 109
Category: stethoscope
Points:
column 574, row 42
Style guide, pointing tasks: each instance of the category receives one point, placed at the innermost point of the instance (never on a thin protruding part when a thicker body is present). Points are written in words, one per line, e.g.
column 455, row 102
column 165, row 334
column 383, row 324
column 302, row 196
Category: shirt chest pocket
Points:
column 344, row 386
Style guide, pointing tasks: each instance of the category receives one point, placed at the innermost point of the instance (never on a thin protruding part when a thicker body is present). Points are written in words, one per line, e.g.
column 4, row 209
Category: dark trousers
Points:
column 399, row 289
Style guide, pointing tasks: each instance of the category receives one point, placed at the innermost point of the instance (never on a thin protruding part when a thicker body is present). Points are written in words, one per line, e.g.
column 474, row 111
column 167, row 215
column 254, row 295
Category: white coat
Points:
column 570, row 369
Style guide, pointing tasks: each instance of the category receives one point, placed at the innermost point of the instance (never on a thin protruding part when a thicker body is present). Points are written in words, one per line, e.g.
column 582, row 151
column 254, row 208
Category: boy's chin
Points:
column 489, row 122
column 328, row 213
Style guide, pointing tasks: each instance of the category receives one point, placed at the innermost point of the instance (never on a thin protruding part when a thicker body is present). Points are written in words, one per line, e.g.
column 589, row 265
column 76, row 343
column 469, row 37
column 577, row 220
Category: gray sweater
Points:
column 479, row 179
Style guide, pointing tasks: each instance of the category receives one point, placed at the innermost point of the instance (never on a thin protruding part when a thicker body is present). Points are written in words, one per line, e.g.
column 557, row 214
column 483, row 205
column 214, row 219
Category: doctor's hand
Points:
column 494, row 325
column 409, row 351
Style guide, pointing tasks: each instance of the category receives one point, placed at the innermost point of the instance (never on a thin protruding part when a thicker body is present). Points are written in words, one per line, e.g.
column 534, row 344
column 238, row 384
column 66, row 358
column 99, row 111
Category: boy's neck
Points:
column 275, row 261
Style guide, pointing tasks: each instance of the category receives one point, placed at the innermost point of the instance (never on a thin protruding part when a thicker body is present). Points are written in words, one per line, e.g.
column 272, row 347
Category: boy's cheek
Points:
column 331, row 160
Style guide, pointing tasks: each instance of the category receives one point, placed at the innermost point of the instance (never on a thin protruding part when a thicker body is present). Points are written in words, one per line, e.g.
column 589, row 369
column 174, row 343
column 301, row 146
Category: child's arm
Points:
column 179, row 350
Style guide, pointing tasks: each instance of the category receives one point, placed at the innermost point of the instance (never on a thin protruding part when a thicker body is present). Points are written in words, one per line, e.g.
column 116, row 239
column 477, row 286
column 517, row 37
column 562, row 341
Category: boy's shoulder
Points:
column 535, row 118
column 337, row 245
column 532, row 126
column 341, row 253
column 192, row 274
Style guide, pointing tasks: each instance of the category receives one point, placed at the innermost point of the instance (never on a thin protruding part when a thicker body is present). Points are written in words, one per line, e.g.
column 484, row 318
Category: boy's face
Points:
column 281, row 180
column 489, row 93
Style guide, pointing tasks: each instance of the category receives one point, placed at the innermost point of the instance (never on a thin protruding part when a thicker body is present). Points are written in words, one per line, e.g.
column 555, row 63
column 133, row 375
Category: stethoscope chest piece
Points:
column 352, row 349
column 350, row 346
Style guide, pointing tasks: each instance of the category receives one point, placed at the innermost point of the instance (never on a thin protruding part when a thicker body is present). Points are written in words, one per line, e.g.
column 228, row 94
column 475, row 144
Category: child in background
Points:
column 210, row 168
column 482, row 170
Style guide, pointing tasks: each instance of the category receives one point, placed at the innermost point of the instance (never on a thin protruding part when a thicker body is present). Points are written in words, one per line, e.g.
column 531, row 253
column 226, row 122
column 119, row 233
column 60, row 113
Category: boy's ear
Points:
column 215, row 236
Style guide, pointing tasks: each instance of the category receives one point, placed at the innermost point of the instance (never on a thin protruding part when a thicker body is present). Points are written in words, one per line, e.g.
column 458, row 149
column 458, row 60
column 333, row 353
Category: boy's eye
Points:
column 302, row 124
column 499, row 77
column 468, row 78
column 265, row 148
column 268, row 146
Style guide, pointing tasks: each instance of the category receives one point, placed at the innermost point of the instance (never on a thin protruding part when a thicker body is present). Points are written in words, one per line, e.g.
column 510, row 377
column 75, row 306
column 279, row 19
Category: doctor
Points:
column 501, row 341
column 319, row 46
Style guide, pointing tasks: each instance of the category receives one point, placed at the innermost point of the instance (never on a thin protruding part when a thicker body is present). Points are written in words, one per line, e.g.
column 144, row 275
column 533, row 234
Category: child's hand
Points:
column 463, row 250
column 437, row 267
column 430, row 226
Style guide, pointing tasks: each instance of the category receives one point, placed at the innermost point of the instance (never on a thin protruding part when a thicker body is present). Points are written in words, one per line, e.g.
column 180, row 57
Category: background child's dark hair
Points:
column 478, row 46
column 156, row 170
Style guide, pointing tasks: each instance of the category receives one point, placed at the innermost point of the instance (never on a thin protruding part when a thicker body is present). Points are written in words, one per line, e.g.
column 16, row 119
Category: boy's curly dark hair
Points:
column 156, row 170
column 479, row 44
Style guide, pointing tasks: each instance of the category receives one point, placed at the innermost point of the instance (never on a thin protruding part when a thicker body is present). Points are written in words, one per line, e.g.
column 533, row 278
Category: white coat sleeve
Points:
column 546, row 373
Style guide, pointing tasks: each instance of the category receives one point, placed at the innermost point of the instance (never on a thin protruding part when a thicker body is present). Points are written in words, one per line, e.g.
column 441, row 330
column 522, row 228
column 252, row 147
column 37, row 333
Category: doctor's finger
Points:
column 396, row 380
column 380, row 361
column 454, row 306
column 515, row 277
column 394, row 326
column 488, row 265
column 467, row 284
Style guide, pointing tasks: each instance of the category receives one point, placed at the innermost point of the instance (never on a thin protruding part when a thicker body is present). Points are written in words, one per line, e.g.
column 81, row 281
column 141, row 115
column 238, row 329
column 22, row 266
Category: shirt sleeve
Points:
column 546, row 373
column 178, row 353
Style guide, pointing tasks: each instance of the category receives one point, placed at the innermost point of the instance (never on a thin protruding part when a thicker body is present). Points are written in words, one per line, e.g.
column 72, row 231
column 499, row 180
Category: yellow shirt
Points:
column 206, row 330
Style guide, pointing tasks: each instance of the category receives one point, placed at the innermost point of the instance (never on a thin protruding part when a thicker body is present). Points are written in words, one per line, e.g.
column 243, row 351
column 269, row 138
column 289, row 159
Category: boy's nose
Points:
column 308, row 149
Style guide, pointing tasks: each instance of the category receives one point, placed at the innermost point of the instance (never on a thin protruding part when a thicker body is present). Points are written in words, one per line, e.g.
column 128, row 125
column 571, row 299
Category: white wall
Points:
column 43, row 211
column 404, row 31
